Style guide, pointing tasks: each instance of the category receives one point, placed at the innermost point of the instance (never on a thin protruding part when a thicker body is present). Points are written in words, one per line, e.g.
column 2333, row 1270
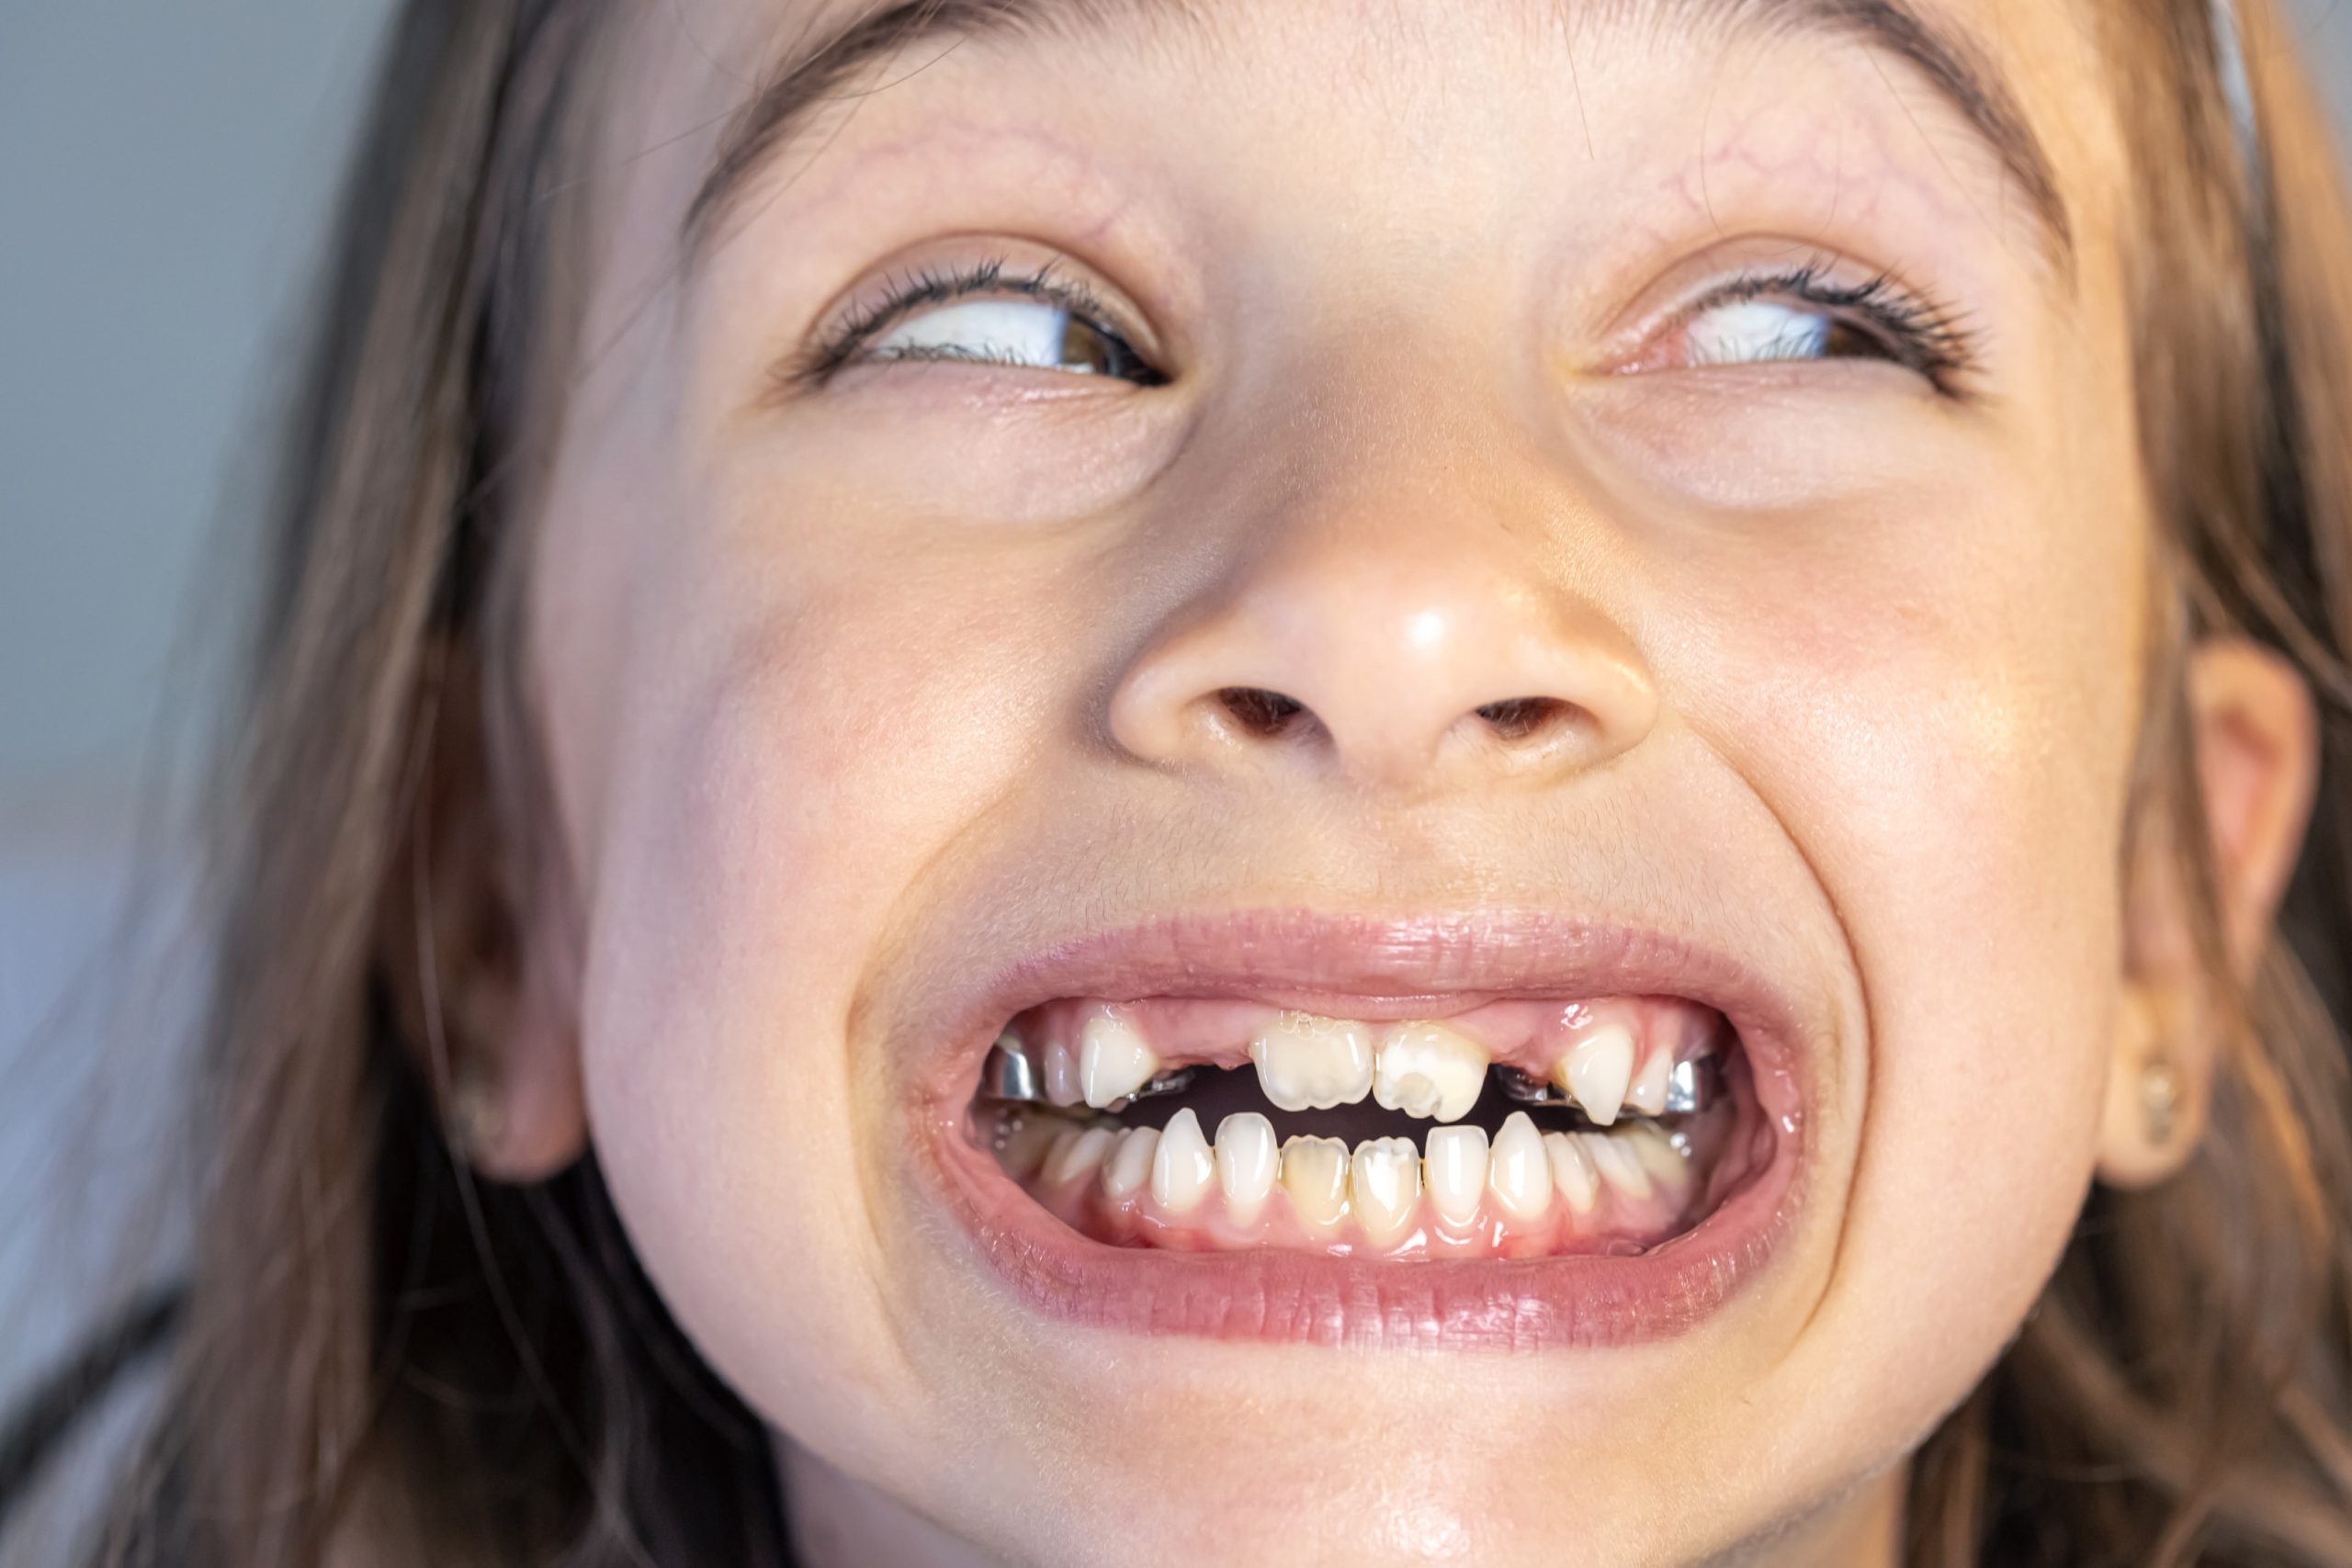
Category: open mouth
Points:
column 1522, row 1128
column 1511, row 1131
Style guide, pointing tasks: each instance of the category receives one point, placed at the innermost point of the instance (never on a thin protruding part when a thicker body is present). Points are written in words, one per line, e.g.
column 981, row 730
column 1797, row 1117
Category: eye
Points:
column 982, row 313
column 1038, row 334
column 1801, row 316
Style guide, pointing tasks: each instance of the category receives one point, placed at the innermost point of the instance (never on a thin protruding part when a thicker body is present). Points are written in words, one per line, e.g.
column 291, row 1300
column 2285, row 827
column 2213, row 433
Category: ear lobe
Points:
column 2255, row 731
column 477, row 995
column 2256, row 734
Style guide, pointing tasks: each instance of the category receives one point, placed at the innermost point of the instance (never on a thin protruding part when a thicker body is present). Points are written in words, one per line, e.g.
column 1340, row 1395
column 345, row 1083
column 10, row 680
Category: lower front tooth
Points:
column 1457, row 1167
column 1079, row 1155
column 1315, row 1178
column 1385, row 1188
column 1246, row 1160
column 1113, row 1060
column 1572, row 1170
column 1518, row 1172
column 1182, row 1167
column 1129, row 1167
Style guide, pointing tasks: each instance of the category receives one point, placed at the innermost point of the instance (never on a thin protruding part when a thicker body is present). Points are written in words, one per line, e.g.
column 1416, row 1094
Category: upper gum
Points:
column 1216, row 1032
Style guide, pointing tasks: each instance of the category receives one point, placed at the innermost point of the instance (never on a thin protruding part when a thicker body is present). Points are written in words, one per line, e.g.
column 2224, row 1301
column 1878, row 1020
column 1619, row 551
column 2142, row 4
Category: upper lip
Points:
column 1373, row 967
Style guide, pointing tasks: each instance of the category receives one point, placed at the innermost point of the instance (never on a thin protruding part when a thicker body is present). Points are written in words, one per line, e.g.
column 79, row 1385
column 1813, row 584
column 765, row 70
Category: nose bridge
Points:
column 1399, row 614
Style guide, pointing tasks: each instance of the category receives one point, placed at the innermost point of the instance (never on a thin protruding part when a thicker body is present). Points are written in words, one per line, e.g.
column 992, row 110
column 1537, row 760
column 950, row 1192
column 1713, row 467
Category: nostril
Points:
column 1517, row 718
column 1258, row 711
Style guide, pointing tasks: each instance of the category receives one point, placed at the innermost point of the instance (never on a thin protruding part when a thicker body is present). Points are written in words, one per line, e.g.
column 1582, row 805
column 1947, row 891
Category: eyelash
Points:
column 1917, row 334
column 903, row 296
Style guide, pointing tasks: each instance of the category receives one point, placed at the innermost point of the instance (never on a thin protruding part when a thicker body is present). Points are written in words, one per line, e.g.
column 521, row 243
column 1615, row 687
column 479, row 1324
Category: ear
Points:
column 2255, row 732
column 480, row 990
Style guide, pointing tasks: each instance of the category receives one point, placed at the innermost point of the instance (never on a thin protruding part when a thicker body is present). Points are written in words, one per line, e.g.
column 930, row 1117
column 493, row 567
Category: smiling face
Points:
column 1488, row 537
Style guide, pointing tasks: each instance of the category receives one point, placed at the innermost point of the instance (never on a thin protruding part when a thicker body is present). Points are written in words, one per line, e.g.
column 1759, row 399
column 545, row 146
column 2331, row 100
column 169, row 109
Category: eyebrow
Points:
column 810, row 77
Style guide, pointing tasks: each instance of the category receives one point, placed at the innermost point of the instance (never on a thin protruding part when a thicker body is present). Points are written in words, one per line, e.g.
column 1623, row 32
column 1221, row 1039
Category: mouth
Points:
column 1464, row 1130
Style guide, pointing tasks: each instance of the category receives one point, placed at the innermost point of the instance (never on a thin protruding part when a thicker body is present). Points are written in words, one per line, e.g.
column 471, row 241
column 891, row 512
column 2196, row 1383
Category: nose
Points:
column 1414, row 654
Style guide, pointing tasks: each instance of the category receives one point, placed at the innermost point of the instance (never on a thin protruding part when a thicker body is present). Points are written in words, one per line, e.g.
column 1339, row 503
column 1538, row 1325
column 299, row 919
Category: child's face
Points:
column 1703, row 373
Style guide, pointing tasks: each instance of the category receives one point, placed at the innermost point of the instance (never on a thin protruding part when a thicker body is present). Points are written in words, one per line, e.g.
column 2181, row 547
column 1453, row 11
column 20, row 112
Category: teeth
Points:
column 1306, row 1063
column 1457, row 1167
column 1385, row 1187
column 1061, row 1074
column 1619, row 1166
column 1659, row 1157
column 1113, row 1060
column 1023, row 1142
column 1076, row 1157
column 1646, row 1093
column 1428, row 1069
column 1572, row 1170
column 1129, row 1168
column 1517, row 1172
column 1315, row 1176
column 1596, row 1070
column 1246, row 1161
column 1182, row 1167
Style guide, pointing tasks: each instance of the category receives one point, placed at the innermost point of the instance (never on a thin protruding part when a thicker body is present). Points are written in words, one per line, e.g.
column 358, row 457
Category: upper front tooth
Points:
column 1457, row 1166
column 1428, row 1069
column 1315, row 1176
column 1306, row 1063
column 1113, row 1060
column 1517, row 1171
column 1246, row 1161
column 1182, row 1167
column 1596, row 1070
column 1385, row 1187
column 1061, row 1073
column 1646, row 1093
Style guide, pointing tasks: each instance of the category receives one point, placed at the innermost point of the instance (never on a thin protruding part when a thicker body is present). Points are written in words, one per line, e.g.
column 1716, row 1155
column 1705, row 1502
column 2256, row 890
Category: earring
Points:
column 2159, row 1096
column 474, row 1120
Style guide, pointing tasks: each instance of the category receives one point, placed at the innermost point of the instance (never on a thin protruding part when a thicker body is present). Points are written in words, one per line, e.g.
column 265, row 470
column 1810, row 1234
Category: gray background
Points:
column 164, row 165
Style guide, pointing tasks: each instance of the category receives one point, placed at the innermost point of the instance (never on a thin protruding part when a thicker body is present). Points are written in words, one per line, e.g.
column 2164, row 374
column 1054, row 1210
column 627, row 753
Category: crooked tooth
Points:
column 1129, row 1169
column 1429, row 1069
column 1078, row 1156
column 1309, row 1063
column 1572, row 1171
column 1596, row 1070
column 1315, row 1177
column 1619, row 1166
column 1457, row 1168
column 1246, row 1162
column 1182, row 1167
column 1385, row 1188
column 1518, row 1171
column 1646, row 1093
column 1113, row 1060
column 1060, row 1075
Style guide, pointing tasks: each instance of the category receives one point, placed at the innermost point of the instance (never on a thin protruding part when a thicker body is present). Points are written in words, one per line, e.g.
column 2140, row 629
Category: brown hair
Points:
column 375, row 1348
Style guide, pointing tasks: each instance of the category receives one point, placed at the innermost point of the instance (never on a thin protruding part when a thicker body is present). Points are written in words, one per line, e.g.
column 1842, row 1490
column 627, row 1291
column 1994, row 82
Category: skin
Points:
column 858, row 691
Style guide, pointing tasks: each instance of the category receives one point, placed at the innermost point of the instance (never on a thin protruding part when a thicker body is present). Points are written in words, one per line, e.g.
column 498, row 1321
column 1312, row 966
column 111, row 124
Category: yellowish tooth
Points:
column 1518, row 1171
column 1028, row 1141
column 1646, row 1093
column 1310, row 1062
column 1128, row 1171
column 1182, row 1169
column 1429, row 1069
column 1596, row 1070
column 1659, row 1156
column 1247, row 1159
column 1059, row 1070
column 1457, row 1171
column 1620, row 1166
column 1113, row 1060
column 1079, row 1155
column 1315, row 1177
column 1572, row 1171
column 1385, row 1188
